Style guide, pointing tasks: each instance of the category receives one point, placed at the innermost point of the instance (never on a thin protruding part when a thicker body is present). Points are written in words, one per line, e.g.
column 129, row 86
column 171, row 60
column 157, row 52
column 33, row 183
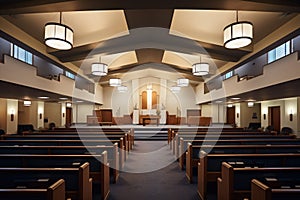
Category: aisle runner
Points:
column 166, row 183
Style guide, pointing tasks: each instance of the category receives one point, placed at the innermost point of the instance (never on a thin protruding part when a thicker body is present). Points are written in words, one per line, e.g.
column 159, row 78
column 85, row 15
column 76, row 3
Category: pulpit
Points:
column 101, row 117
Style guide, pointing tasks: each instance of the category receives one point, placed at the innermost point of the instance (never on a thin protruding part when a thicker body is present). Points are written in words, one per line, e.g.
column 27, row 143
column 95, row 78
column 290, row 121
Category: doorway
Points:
column 274, row 117
column 230, row 115
column 68, row 116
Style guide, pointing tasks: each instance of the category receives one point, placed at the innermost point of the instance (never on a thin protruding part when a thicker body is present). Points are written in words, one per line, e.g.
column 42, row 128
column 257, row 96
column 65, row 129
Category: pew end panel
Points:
column 260, row 191
column 202, row 176
column 181, row 154
column 225, row 183
column 116, row 162
column 189, row 164
column 84, row 183
column 105, row 179
column 57, row 190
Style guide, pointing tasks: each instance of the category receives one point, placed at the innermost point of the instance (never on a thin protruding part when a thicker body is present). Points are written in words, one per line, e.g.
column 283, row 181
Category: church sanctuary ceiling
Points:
column 136, row 35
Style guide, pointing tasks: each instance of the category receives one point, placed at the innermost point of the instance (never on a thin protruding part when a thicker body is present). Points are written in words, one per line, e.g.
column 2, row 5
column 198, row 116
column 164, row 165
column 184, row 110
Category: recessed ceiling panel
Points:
column 207, row 25
column 187, row 60
column 88, row 26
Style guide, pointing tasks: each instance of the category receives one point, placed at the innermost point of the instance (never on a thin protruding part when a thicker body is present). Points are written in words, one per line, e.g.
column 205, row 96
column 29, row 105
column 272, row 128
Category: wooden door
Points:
column 230, row 115
column 144, row 100
column 274, row 117
column 154, row 100
column 68, row 116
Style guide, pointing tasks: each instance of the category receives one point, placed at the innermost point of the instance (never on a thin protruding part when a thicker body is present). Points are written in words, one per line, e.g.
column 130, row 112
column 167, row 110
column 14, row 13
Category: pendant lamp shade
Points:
column 175, row 89
column 238, row 34
column 58, row 35
column 200, row 69
column 115, row 82
column 122, row 88
column 99, row 69
column 182, row 82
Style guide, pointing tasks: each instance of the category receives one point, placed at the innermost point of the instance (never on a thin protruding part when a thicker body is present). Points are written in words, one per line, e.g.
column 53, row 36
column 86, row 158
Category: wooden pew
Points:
column 81, row 151
column 182, row 149
column 261, row 190
column 234, row 139
column 193, row 152
column 209, row 167
column 173, row 131
column 120, row 155
column 98, row 165
column 86, row 140
column 78, row 183
column 51, row 190
column 235, row 182
column 92, row 131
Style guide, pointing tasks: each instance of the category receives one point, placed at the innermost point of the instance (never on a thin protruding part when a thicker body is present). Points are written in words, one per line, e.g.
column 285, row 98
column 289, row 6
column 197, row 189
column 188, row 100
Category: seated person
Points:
column 52, row 126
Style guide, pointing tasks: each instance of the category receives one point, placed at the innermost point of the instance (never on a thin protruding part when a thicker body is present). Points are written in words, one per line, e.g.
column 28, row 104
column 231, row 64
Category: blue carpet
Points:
column 166, row 183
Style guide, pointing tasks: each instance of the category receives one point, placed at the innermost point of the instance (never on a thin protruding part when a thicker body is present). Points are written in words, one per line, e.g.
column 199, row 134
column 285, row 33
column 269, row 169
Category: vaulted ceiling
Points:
column 133, row 35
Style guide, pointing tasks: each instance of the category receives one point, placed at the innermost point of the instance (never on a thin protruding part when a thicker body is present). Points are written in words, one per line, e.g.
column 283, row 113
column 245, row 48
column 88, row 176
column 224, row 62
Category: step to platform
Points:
column 151, row 133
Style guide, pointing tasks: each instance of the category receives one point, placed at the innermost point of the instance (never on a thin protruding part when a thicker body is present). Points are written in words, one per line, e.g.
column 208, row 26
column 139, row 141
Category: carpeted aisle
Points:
column 166, row 183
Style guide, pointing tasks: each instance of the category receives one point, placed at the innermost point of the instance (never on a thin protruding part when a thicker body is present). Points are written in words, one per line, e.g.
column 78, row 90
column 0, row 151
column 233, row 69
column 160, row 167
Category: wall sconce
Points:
column 250, row 104
column 265, row 116
column 237, row 115
column 12, row 115
column 69, row 105
column 41, row 115
column 63, row 114
column 291, row 117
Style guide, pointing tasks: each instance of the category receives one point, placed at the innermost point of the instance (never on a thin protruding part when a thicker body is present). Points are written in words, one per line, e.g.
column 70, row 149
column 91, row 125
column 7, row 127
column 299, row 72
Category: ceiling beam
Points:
column 149, row 18
column 119, row 72
column 36, row 6
column 145, row 38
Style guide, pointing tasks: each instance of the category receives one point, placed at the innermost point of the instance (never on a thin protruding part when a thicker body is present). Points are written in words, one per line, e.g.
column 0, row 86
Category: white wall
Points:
column 123, row 103
column 238, row 114
column 12, row 108
column 82, row 111
column 63, row 114
column 40, row 114
column 3, row 115
column 286, row 107
column 246, row 114
column 52, row 113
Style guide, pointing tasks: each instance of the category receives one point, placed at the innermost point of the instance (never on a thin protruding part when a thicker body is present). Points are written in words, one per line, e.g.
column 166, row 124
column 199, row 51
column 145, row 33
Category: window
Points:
column 21, row 54
column 279, row 52
column 70, row 75
column 228, row 75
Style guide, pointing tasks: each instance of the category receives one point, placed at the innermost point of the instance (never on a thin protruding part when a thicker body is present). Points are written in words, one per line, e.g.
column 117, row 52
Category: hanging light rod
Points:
column 58, row 35
column 238, row 34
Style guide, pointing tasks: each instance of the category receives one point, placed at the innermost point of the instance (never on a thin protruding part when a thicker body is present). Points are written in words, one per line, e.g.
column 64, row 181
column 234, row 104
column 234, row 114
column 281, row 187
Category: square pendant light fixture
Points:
column 238, row 34
column 99, row 68
column 58, row 35
column 182, row 82
column 115, row 82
